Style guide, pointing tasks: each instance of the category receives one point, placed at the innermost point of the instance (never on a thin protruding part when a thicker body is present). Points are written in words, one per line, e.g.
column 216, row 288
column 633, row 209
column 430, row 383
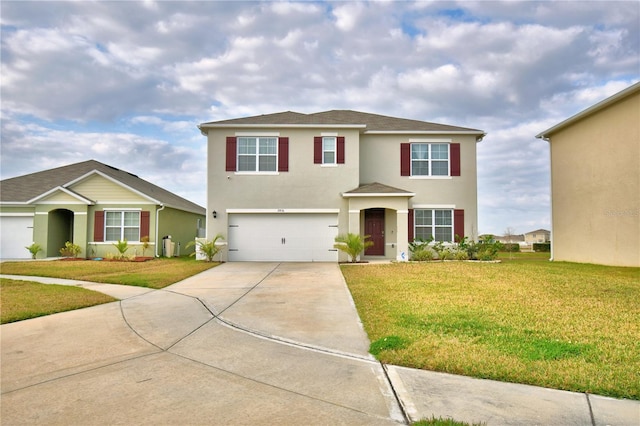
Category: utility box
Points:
column 199, row 254
column 167, row 246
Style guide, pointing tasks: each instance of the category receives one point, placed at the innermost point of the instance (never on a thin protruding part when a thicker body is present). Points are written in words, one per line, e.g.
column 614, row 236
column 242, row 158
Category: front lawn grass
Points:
column 156, row 273
column 553, row 324
column 20, row 300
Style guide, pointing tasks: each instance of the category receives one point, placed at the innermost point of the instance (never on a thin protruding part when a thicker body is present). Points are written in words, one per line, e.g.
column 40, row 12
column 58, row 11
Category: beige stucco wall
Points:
column 305, row 186
column 380, row 162
column 595, row 187
column 368, row 158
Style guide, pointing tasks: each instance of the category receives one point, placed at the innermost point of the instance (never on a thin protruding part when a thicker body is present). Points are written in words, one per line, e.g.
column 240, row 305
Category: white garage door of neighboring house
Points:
column 16, row 233
column 283, row 237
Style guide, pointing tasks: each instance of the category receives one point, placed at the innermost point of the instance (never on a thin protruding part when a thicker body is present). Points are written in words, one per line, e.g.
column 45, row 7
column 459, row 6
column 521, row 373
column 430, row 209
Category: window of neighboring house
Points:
column 429, row 159
column 329, row 150
column 433, row 223
column 122, row 225
column 257, row 154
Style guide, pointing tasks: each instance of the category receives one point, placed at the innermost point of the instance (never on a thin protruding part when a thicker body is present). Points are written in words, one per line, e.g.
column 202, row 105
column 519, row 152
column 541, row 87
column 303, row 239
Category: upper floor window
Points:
column 429, row 159
column 257, row 154
column 328, row 150
column 122, row 225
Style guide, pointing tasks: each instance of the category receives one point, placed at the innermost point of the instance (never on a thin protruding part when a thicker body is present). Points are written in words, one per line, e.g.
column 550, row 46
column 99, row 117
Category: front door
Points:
column 374, row 226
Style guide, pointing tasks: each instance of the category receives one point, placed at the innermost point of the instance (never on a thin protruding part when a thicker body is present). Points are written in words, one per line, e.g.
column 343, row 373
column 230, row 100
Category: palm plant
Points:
column 208, row 248
column 352, row 244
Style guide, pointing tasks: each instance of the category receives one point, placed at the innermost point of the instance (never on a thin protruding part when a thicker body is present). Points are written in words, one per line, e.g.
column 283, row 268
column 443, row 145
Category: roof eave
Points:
column 378, row 194
column 591, row 110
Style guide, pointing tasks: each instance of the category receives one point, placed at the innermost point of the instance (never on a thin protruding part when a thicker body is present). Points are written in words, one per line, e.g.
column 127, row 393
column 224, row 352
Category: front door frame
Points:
column 374, row 226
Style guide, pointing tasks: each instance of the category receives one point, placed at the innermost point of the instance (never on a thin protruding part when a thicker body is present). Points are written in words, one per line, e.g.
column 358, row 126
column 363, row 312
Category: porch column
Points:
column 402, row 230
column 354, row 221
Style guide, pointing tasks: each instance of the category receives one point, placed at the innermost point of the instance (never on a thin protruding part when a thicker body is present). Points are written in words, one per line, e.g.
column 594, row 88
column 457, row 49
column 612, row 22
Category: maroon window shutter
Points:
column 98, row 226
column 340, row 149
column 144, row 224
column 283, row 154
column 231, row 153
column 458, row 224
column 405, row 159
column 317, row 150
column 454, row 151
column 410, row 220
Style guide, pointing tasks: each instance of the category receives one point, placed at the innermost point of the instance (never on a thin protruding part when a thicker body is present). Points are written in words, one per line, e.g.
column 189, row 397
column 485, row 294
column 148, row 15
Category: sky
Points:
column 126, row 83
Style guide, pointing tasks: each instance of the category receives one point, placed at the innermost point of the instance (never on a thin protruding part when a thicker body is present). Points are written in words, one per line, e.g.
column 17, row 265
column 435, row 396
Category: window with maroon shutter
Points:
column 458, row 224
column 283, row 154
column 98, row 226
column 405, row 159
column 231, row 154
column 454, row 150
column 144, row 224
column 340, row 149
column 317, row 150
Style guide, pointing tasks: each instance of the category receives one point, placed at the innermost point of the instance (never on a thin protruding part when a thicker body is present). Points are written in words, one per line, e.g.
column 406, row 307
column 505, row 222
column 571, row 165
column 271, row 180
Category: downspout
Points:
column 157, row 217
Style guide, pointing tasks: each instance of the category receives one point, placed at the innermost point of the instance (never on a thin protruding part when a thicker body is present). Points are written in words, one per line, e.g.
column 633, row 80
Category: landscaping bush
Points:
column 70, row 250
column 510, row 247
column 352, row 244
column 542, row 247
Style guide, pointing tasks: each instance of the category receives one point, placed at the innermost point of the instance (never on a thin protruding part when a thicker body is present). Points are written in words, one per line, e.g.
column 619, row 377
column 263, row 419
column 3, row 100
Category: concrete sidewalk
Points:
column 247, row 343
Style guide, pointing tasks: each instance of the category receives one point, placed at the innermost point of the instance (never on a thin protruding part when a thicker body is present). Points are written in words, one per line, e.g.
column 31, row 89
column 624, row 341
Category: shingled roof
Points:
column 24, row 188
column 367, row 121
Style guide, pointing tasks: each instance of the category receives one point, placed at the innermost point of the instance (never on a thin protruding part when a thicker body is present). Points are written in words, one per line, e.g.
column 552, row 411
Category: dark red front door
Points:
column 374, row 226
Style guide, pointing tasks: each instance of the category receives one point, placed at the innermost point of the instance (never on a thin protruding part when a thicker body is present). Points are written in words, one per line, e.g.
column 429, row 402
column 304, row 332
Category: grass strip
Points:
column 21, row 300
column 156, row 273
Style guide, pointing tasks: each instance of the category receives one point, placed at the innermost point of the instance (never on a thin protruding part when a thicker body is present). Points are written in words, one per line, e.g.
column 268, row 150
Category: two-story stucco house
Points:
column 595, row 182
column 282, row 186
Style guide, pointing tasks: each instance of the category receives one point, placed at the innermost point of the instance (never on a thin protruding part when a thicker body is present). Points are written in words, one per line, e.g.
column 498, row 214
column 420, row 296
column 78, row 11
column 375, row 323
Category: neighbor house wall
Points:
column 595, row 182
column 182, row 226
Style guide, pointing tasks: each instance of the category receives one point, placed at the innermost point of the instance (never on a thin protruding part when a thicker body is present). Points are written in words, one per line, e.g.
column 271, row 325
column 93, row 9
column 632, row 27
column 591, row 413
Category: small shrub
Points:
column 488, row 248
column 352, row 244
column 460, row 254
column 145, row 243
column 122, row 247
column 420, row 250
column 34, row 249
column 70, row 250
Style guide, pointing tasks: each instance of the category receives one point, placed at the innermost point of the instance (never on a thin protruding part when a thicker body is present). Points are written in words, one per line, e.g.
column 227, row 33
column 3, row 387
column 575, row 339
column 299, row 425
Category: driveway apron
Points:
column 242, row 343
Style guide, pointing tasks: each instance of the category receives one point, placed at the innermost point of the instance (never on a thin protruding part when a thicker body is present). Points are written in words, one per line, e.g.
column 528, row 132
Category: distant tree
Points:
column 509, row 235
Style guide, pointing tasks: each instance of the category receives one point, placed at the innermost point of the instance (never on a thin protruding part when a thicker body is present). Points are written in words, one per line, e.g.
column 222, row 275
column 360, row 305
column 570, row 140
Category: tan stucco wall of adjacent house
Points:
column 595, row 187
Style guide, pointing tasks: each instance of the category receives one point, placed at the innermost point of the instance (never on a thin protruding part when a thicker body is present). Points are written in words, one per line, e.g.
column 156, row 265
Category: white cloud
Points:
column 126, row 79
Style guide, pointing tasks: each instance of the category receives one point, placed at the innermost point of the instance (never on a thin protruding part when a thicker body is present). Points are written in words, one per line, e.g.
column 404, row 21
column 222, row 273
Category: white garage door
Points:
column 284, row 237
column 16, row 233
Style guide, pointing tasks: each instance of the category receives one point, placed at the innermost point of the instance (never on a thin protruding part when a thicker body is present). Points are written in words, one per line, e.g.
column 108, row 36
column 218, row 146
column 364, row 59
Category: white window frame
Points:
column 432, row 227
column 122, row 225
column 430, row 160
column 256, row 154
column 333, row 151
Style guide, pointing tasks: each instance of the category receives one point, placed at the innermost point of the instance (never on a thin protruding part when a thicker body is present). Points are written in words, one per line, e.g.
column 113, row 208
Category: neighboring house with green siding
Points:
column 92, row 205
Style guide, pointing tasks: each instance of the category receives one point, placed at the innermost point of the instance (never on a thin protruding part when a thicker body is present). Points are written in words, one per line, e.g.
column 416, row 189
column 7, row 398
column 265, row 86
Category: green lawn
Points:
column 156, row 273
column 527, row 320
column 20, row 300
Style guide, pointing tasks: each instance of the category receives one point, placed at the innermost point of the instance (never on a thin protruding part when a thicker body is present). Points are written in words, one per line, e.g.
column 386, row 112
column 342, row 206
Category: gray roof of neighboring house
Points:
column 369, row 122
column 538, row 231
column 24, row 188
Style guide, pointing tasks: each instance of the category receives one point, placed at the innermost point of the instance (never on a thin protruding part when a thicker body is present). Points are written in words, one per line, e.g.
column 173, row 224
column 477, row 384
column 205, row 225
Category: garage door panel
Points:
column 282, row 237
column 16, row 233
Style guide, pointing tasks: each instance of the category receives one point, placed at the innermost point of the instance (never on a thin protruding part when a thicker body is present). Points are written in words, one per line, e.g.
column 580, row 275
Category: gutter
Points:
column 157, row 217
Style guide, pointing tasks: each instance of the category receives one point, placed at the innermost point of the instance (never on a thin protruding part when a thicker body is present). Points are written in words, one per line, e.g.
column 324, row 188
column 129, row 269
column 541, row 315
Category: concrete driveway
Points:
column 242, row 343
